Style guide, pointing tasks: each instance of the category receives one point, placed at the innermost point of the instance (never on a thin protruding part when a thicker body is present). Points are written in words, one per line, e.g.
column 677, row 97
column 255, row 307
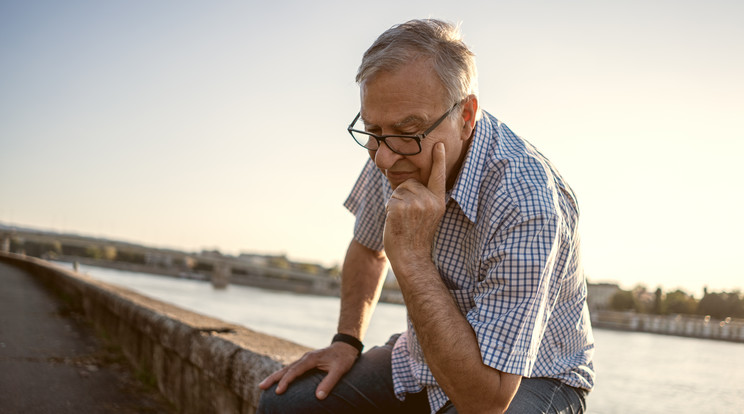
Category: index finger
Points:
column 438, row 175
column 273, row 378
column 293, row 372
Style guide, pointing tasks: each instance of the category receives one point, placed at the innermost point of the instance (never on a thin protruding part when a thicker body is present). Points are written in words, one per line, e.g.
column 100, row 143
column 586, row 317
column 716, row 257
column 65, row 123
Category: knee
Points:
column 269, row 401
column 298, row 398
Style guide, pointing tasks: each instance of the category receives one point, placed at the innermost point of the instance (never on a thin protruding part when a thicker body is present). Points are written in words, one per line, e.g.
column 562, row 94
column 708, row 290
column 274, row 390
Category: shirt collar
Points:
column 467, row 186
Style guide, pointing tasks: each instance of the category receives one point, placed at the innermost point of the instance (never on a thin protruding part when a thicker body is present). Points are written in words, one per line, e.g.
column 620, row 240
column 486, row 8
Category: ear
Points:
column 469, row 112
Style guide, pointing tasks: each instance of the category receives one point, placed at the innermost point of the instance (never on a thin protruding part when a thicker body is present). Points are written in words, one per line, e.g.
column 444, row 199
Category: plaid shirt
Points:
column 507, row 248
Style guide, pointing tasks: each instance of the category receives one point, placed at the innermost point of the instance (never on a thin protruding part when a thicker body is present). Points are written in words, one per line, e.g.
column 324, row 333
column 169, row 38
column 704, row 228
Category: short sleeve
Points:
column 513, row 302
column 367, row 202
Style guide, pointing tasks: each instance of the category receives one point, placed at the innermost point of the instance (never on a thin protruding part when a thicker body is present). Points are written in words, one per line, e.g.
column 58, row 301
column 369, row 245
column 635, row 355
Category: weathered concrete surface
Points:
column 52, row 362
column 200, row 364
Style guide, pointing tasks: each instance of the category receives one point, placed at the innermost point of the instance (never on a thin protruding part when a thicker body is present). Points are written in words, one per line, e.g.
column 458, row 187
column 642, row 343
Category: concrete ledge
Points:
column 200, row 364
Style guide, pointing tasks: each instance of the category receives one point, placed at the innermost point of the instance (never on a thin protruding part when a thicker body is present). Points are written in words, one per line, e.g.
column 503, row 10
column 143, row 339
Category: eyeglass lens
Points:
column 400, row 144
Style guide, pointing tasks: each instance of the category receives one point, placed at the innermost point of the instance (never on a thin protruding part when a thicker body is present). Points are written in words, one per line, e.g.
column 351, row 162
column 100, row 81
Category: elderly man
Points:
column 481, row 233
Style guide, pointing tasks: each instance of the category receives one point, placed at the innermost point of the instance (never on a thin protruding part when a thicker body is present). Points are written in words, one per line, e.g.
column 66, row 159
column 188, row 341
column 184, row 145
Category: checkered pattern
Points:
column 508, row 250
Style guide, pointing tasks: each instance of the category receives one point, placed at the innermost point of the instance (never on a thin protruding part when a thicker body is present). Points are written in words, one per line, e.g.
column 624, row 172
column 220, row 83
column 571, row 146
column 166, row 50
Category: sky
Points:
column 221, row 125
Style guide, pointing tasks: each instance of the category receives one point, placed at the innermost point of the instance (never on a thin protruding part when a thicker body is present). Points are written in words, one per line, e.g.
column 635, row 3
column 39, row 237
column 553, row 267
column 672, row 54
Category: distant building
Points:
column 600, row 295
column 155, row 258
column 254, row 259
column 280, row 261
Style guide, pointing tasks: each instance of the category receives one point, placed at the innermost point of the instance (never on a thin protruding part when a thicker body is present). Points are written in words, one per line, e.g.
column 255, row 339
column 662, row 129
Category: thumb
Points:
column 438, row 175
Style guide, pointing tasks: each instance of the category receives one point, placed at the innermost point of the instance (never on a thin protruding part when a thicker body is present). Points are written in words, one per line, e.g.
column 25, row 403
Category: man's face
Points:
column 408, row 101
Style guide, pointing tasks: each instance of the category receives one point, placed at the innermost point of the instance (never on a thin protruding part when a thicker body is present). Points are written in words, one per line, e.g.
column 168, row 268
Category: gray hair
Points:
column 433, row 39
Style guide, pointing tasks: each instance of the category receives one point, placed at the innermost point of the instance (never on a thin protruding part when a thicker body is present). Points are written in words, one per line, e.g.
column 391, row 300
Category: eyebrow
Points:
column 410, row 120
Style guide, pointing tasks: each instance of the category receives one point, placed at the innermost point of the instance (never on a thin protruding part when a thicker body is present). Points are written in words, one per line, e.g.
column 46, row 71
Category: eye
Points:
column 412, row 128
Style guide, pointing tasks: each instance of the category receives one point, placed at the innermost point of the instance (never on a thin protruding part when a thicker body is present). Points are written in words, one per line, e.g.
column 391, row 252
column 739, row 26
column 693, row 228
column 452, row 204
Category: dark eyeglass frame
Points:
column 381, row 138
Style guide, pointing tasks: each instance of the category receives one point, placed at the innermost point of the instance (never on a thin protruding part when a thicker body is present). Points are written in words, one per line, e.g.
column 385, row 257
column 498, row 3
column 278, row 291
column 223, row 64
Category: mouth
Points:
column 397, row 177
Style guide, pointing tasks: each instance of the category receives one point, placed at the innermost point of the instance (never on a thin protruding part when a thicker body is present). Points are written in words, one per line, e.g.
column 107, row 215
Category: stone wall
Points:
column 201, row 364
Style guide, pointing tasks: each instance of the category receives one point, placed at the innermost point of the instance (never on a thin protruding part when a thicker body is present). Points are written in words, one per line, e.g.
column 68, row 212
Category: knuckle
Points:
column 307, row 357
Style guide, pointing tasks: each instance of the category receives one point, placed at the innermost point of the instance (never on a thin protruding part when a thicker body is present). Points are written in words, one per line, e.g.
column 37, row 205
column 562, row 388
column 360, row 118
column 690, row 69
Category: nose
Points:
column 384, row 157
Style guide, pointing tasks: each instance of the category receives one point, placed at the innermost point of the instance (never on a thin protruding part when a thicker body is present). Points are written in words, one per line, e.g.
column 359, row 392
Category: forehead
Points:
column 412, row 92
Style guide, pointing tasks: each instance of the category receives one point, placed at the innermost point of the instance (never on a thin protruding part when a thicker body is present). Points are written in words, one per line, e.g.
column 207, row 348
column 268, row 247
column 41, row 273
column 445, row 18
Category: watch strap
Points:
column 348, row 339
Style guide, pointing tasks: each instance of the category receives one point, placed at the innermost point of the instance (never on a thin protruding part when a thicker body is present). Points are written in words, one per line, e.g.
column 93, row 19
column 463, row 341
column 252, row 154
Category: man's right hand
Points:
column 336, row 360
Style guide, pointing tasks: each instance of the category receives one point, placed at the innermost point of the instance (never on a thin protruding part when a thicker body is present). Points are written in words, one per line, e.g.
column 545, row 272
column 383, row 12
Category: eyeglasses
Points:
column 399, row 144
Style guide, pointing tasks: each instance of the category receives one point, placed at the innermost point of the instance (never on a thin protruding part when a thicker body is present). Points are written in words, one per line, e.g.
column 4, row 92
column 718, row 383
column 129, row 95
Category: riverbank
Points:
column 632, row 374
column 678, row 325
column 265, row 278
column 320, row 285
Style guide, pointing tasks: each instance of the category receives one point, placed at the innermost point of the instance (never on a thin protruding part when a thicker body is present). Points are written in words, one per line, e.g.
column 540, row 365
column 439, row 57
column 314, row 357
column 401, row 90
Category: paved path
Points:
column 52, row 362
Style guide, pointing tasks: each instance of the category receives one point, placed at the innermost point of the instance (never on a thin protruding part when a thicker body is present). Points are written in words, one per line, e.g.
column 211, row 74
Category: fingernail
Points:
column 321, row 395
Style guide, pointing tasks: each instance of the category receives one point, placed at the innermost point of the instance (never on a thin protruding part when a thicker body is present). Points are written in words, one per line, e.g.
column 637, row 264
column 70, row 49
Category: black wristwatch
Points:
column 348, row 339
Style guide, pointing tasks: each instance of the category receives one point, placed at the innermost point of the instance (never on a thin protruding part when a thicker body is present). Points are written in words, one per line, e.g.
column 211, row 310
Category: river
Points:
column 636, row 372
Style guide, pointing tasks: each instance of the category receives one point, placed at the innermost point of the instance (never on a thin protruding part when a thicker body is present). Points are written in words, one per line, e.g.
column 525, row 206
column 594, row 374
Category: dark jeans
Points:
column 368, row 388
column 541, row 395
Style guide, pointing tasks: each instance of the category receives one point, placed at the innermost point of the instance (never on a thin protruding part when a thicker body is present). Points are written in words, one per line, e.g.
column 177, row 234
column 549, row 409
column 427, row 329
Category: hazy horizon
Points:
column 222, row 126
column 649, row 285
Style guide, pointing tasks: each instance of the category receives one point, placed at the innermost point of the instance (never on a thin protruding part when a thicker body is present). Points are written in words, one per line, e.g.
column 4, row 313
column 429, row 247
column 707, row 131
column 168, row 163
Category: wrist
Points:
column 349, row 340
column 414, row 266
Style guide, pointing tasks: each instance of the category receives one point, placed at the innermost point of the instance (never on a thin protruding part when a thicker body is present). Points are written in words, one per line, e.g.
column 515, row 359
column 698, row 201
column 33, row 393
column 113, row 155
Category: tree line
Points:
column 718, row 305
